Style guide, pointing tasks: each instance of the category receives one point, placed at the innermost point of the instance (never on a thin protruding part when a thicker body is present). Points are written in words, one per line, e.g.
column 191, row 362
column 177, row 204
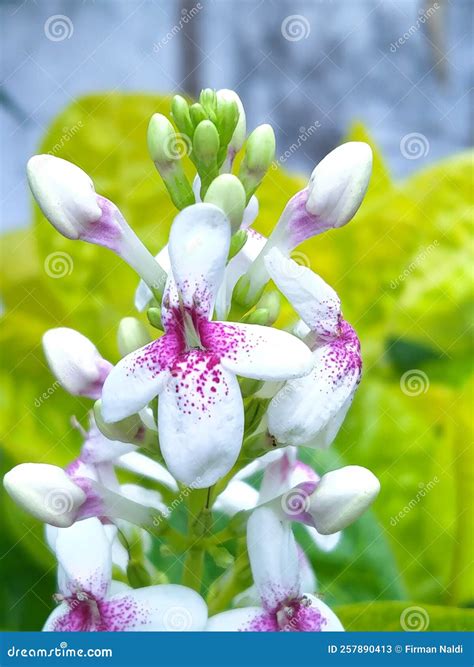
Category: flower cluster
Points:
column 217, row 396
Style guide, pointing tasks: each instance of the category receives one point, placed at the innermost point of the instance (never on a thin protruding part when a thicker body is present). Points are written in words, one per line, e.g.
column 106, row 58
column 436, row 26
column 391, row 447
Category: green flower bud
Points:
column 127, row 430
column 271, row 301
column 257, row 316
column 227, row 192
column 131, row 335
column 227, row 119
column 181, row 115
column 205, row 149
column 221, row 556
column 208, row 101
column 238, row 137
column 259, row 154
column 197, row 113
column 243, row 294
column 166, row 148
column 154, row 318
column 237, row 242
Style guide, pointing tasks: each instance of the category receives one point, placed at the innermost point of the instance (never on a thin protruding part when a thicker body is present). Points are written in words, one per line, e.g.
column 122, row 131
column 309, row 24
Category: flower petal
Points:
column 143, row 294
column 198, row 248
column 324, row 542
column 236, row 496
column 331, row 623
column 137, row 378
column 99, row 449
column 200, row 420
column 258, row 352
column 284, row 474
column 303, row 408
column 169, row 608
column 84, row 569
column 273, row 557
column 146, row 467
column 75, row 361
column 253, row 619
column 59, row 618
column 314, row 300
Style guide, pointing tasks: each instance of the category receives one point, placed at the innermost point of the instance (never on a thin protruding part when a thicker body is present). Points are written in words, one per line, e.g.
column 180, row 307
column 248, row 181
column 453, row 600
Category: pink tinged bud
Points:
column 76, row 362
column 341, row 497
column 67, row 198
column 46, row 492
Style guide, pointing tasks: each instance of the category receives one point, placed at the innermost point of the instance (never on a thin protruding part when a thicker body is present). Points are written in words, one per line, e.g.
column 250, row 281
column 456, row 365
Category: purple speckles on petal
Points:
column 293, row 615
column 198, row 382
column 93, row 614
column 343, row 355
column 264, row 622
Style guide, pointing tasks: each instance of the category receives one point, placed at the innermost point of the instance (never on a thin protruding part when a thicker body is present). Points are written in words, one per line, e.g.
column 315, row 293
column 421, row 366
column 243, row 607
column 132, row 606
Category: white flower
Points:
column 90, row 601
column 75, row 362
column 334, row 193
column 193, row 367
column 309, row 411
column 67, row 198
column 284, row 605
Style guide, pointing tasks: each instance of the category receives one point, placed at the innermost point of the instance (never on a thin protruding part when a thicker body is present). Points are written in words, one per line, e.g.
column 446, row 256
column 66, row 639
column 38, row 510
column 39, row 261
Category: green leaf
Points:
column 398, row 616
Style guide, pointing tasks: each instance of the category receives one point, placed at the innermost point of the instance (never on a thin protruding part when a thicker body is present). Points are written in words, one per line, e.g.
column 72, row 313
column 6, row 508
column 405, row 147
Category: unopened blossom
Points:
column 61, row 497
column 67, row 198
column 89, row 601
column 284, row 605
column 310, row 410
column 75, row 361
column 334, row 192
column 329, row 503
column 193, row 367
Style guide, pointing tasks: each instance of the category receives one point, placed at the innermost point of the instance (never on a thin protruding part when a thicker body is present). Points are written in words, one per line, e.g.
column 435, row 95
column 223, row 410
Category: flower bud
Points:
column 64, row 193
column 130, row 429
column 271, row 302
column 205, row 151
column 46, row 492
column 339, row 182
column 165, row 150
column 341, row 497
column 208, row 101
column 66, row 196
column 75, row 361
column 181, row 116
column 227, row 193
column 197, row 114
column 259, row 154
column 238, row 137
column 131, row 335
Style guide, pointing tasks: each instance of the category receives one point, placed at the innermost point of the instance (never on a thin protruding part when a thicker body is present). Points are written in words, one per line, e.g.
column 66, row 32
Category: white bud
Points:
column 46, row 492
column 64, row 193
column 339, row 182
column 341, row 497
column 75, row 361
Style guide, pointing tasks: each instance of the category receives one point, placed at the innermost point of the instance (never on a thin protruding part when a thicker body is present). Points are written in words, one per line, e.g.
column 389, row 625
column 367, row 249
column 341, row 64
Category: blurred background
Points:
column 81, row 79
